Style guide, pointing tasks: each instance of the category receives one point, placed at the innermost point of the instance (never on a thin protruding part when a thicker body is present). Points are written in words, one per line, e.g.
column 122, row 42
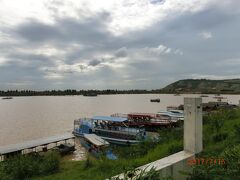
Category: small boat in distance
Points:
column 92, row 94
column 203, row 95
column 155, row 100
column 7, row 98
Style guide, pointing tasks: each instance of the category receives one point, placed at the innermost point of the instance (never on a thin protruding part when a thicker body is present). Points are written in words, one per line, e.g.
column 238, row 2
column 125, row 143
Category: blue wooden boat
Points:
column 97, row 146
column 111, row 129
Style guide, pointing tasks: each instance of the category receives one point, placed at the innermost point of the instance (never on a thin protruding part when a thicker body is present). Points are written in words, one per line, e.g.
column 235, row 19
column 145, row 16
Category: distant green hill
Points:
column 228, row 86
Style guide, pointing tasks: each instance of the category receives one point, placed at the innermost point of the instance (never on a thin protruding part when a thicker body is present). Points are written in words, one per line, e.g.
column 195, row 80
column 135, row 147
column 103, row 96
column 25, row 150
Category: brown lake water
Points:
column 28, row 118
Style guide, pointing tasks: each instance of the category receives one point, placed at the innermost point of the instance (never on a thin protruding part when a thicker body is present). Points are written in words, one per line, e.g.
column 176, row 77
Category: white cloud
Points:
column 161, row 50
column 206, row 35
column 2, row 61
column 139, row 14
column 126, row 15
column 178, row 51
column 212, row 76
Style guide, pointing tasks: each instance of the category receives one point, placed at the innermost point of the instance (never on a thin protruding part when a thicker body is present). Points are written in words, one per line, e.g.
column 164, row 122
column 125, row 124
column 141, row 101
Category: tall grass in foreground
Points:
column 26, row 166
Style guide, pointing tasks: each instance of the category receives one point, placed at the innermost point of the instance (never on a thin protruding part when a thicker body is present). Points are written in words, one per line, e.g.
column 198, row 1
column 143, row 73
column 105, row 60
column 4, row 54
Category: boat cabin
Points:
column 116, row 127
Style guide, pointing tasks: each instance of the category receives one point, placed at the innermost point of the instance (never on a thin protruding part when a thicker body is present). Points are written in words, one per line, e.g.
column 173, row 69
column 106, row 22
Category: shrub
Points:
column 135, row 151
column 174, row 148
column 237, row 131
column 49, row 163
column 88, row 163
column 220, row 136
column 232, row 158
column 230, row 170
column 25, row 166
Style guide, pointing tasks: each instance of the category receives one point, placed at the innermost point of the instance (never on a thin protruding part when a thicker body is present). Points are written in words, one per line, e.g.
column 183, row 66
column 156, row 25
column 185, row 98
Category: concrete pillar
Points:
column 193, row 125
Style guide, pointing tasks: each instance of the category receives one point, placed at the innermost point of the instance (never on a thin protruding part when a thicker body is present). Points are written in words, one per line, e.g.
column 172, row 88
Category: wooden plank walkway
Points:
column 34, row 143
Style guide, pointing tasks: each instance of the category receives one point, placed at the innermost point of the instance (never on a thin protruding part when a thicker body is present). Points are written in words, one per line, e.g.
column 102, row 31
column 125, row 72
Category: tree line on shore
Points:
column 73, row 92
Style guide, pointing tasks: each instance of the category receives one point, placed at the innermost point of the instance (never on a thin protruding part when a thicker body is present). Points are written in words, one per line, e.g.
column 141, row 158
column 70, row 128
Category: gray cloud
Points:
column 94, row 62
column 122, row 52
column 92, row 30
column 71, row 53
column 38, row 32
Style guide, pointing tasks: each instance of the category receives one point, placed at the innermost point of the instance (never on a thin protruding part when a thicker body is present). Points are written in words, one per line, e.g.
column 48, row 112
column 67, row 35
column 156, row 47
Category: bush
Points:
column 237, row 131
column 49, row 164
column 135, row 151
column 174, row 148
column 25, row 166
column 229, row 170
column 232, row 158
column 220, row 136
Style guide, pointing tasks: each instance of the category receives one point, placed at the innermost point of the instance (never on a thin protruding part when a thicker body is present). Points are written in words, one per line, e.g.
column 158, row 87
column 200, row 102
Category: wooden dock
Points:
column 6, row 151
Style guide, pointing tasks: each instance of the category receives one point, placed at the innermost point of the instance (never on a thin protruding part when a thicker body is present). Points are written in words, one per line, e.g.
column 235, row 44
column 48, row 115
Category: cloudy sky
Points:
column 117, row 44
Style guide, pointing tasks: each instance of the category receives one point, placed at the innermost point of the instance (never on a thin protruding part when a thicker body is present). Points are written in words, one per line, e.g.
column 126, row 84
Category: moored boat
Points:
column 219, row 98
column 203, row 95
column 7, row 98
column 91, row 94
column 111, row 129
column 150, row 121
column 65, row 148
column 155, row 100
column 97, row 146
column 172, row 114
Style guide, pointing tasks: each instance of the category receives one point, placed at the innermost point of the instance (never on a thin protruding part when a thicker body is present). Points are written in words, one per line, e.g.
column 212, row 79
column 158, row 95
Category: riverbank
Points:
column 221, row 132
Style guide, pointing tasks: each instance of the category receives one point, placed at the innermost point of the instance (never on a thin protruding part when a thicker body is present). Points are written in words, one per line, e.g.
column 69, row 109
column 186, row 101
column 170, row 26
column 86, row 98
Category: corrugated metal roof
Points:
column 110, row 118
column 96, row 140
column 34, row 143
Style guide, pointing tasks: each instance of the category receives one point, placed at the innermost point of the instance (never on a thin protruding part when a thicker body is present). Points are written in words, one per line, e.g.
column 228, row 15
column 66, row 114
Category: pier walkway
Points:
column 6, row 151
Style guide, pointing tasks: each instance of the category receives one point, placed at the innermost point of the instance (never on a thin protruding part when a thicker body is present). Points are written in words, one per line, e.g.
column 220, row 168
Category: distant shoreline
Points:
column 62, row 93
column 186, row 86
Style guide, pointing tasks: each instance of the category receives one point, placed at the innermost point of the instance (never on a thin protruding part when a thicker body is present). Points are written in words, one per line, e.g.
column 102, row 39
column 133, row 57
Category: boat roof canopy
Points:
column 96, row 140
column 110, row 118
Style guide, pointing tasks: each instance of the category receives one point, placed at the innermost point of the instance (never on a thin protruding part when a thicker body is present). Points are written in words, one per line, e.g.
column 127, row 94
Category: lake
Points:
column 27, row 118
